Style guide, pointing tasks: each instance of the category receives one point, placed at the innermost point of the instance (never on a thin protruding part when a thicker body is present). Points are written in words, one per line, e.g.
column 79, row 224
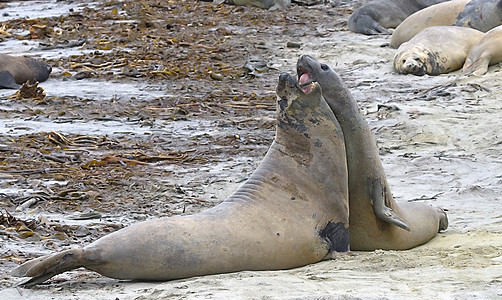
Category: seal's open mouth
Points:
column 306, row 83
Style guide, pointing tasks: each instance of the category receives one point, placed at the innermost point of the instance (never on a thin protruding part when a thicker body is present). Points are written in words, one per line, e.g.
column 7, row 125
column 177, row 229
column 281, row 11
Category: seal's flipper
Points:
column 376, row 192
column 7, row 81
column 477, row 68
column 45, row 267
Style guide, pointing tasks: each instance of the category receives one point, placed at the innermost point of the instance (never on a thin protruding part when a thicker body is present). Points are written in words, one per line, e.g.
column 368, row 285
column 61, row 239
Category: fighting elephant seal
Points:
column 377, row 15
column 15, row 71
column 482, row 15
column 376, row 220
column 436, row 50
column 486, row 52
column 291, row 212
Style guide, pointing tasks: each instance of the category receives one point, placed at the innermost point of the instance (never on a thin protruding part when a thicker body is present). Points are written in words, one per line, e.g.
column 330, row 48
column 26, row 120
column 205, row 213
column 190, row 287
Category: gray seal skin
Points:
column 377, row 15
column 486, row 52
column 291, row 212
column 482, row 15
column 436, row 50
column 376, row 220
column 16, row 70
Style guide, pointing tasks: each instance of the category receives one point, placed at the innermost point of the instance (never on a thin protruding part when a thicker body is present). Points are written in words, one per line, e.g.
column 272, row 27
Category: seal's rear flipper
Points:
column 376, row 193
column 477, row 68
column 7, row 81
column 45, row 267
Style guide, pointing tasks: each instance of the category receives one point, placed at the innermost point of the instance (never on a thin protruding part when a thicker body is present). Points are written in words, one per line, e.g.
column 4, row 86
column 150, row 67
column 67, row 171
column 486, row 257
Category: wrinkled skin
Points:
column 291, row 212
column 376, row 220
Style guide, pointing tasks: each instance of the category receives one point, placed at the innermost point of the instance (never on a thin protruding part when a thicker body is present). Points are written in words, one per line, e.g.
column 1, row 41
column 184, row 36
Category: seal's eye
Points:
column 324, row 67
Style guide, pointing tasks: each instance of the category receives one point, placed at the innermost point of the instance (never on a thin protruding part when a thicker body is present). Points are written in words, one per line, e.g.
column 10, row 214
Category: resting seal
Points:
column 487, row 51
column 291, row 212
column 15, row 71
column 377, row 15
column 436, row 50
column 482, row 15
column 376, row 220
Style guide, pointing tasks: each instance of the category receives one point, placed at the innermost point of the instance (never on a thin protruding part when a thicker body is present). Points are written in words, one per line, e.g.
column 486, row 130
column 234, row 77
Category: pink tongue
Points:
column 304, row 78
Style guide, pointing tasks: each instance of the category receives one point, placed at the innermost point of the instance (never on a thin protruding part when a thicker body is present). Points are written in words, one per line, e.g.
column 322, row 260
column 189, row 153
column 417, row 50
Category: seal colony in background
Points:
column 292, row 211
column 378, row 15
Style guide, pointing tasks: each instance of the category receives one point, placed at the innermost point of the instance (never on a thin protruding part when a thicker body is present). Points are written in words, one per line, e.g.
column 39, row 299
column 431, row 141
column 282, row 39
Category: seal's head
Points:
column 411, row 62
column 292, row 96
column 334, row 90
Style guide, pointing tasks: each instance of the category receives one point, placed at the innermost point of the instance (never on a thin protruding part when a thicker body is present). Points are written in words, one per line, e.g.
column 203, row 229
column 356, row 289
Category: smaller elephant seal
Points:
column 376, row 220
column 291, row 212
column 436, row 50
column 482, row 15
column 266, row 4
column 16, row 70
column 486, row 52
column 378, row 15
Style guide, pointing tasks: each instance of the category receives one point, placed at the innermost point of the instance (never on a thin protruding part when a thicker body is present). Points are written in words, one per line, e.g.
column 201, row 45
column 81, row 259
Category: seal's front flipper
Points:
column 7, row 81
column 377, row 192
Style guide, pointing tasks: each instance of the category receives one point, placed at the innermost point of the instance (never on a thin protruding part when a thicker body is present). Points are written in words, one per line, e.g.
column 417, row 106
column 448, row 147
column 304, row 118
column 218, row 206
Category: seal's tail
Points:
column 43, row 268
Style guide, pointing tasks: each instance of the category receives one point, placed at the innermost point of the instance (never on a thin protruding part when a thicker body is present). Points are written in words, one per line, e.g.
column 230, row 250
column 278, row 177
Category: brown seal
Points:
column 436, row 50
column 15, row 71
column 486, row 52
column 291, row 212
column 482, row 15
column 376, row 220
column 378, row 15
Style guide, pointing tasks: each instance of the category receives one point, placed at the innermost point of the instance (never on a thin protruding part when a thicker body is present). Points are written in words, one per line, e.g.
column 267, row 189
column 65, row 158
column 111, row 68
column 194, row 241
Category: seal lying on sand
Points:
column 377, row 15
column 267, row 4
column 487, row 51
column 436, row 50
column 15, row 71
column 292, row 211
column 482, row 15
column 376, row 220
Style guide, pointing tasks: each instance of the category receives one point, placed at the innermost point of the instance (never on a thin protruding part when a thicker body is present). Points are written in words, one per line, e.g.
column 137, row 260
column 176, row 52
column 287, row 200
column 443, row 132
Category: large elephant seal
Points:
column 291, row 212
column 376, row 220
column 436, row 50
column 378, row 15
column 15, row 71
column 487, row 51
column 482, row 15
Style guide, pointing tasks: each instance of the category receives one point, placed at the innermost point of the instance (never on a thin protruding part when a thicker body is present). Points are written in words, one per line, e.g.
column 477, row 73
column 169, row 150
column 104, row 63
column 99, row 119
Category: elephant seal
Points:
column 376, row 220
column 15, row 71
column 482, row 15
column 377, row 15
column 291, row 212
column 487, row 51
column 266, row 4
column 436, row 50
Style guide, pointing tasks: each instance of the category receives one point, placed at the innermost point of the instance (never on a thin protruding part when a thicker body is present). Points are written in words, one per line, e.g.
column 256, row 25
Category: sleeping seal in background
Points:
column 436, row 50
column 16, row 70
column 377, row 15
column 482, row 15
